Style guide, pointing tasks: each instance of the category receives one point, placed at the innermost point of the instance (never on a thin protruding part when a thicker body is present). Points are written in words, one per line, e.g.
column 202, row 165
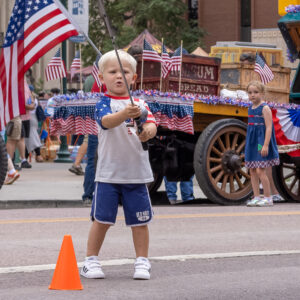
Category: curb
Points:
column 15, row 204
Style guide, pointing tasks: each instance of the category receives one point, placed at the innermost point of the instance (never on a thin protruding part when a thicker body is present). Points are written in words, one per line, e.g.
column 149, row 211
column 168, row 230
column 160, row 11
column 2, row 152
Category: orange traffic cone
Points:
column 66, row 275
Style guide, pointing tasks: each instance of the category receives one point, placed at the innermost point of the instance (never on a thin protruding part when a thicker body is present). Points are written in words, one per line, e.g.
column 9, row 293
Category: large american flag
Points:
column 149, row 53
column 76, row 64
column 176, row 59
column 166, row 62
column 56, row 67
column 261, row 67
column 95, row 71
column 35, row 27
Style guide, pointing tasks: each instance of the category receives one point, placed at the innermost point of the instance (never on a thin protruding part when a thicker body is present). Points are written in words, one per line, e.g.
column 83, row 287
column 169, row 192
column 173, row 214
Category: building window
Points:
column 193, row 11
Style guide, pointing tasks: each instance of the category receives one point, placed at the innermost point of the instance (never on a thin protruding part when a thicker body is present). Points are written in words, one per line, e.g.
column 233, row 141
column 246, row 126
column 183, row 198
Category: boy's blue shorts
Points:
column 134, row 198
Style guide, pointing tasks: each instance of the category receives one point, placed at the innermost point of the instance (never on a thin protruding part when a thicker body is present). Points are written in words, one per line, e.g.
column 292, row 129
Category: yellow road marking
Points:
column 174, row 216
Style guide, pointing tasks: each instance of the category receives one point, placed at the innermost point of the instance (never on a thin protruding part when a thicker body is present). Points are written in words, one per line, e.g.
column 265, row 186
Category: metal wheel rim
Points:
column 229, row 186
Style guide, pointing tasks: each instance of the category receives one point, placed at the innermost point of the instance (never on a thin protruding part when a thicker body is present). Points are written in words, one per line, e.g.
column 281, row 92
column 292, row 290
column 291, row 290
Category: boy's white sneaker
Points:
column 253, row 201
column 92, row 268
column 142, row 268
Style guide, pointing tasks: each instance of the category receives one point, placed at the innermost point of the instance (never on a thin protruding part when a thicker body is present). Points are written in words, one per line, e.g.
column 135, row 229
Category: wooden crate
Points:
column 200, row 75
column 237, row 76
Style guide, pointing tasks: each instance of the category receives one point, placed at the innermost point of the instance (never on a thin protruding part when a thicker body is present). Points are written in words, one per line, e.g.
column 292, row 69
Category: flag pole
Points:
column 160, row 84
column 80, row 73
column 142, row 70
column 180, row 67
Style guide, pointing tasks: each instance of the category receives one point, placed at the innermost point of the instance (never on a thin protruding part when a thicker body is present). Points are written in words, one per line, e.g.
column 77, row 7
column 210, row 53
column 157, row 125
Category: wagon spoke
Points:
column 289, row 175
column 293, row 183
column 220, row 142
column 227, row 140
column 225, row 179
column 214, row 159
column 238, row 181
column 219, row 176
column 245, row 174
column 214, row 149
column 241, row 146
column 231, row 184
column 215, row 169
column 234, row 141
column 286, row 166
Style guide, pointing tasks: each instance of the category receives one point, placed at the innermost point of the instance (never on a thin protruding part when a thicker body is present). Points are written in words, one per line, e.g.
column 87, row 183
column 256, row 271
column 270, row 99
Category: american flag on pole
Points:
column 35, row 27
column 261, row 67
column 76, row 64
column 176, row 59
column 166, row 62
column 56, row 67
column 149, row 53
column 95, row 71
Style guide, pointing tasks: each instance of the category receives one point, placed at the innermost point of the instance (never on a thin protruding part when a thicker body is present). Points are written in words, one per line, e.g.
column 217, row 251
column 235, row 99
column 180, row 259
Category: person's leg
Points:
column 80, row 154
column 38, row 156
column 274, row 192
column 21, row 147
column 171, row 189
column 76, row 167
column 255, row 188
column 186, row 189
column 96, row 237
column 12, row 174
column 267, row 200
column 11, row 147
column 89, row 175
column 140, row 235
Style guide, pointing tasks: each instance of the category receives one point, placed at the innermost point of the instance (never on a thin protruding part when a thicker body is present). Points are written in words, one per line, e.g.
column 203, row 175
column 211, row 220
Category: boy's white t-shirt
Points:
column 121, row 158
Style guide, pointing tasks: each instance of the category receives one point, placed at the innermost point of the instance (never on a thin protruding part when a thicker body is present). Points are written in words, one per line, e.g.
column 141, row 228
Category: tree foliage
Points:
column 163, row 18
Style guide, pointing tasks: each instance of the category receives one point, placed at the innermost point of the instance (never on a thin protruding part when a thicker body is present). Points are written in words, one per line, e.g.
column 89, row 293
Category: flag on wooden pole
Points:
column 149, row 53
column 261, row 67
column 76, row 64
column 34, row 28
column 56, row 67
column 95, row 71
column 166, row 62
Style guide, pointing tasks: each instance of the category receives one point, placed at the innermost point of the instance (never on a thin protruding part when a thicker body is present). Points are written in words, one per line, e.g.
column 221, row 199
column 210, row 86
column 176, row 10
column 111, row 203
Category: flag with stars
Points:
column 176, row 59
column 35, row 27
column 95, row 71
column 56, row 67
column 149, row 53
column 76, row 64
column 261, row 67
column 165, row 61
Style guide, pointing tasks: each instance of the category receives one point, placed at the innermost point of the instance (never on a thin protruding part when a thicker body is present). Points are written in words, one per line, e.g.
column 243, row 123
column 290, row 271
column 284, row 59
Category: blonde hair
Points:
column 124, row 56
column 259, row 85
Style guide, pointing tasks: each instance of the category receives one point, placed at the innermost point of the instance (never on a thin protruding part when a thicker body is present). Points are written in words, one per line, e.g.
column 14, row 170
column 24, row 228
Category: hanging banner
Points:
column 79, row 10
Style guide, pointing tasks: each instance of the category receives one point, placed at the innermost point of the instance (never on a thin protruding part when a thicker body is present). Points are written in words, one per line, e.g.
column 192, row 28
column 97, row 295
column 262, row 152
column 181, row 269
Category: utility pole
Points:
column 63, row 153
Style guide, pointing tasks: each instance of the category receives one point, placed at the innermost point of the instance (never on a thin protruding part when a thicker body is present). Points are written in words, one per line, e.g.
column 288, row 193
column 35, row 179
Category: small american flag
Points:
column 95, row 71
column 176, row 59
column 56, row 67
column 261, row 67
column 76, row 64
column 149, row 53
column 166, row 62
column 35, row 27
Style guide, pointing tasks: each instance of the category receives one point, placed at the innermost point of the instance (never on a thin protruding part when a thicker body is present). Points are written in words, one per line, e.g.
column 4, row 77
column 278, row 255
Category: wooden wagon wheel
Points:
column 3, row 161
column 286, row 177
column 219, row 162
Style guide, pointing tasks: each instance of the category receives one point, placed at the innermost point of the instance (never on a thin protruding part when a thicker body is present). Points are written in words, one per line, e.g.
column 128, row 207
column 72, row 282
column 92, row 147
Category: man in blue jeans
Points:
column 89, row 175
column 186, row 189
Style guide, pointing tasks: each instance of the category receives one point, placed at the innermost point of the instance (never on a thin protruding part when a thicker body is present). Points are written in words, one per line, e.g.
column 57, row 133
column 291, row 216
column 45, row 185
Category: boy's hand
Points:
column 264, row 150
column 149, row 131
column 132, row 111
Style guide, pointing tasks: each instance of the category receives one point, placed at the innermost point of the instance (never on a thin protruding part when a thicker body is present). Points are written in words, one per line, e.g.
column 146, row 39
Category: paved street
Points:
column 198, row 250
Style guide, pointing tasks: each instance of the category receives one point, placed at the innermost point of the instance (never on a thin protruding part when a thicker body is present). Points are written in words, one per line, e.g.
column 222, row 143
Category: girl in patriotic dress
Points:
column 261, row 148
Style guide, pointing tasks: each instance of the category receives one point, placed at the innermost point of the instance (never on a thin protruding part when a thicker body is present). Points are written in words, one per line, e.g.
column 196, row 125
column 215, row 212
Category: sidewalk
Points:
column 50, row 184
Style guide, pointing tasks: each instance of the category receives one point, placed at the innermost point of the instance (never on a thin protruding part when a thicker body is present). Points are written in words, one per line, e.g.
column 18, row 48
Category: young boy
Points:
column 123, row 167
